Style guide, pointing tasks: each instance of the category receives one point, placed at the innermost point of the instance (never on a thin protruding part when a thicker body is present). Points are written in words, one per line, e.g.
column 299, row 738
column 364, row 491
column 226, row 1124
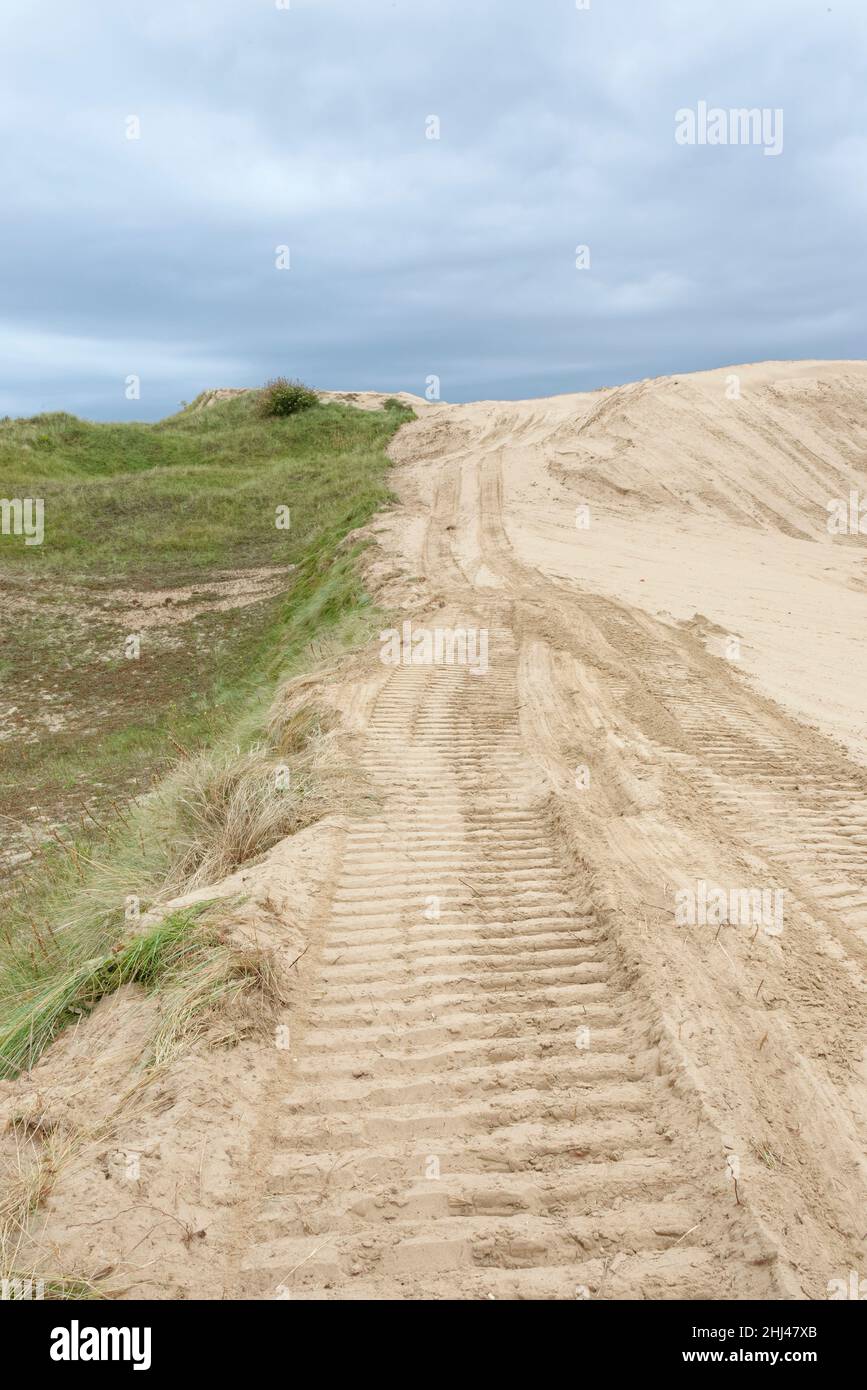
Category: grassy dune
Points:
column 138, row 509
column 194, row 491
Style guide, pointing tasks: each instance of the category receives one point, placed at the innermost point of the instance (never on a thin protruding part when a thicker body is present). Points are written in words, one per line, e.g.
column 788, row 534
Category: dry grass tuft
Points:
column 230, row 808
column 226, row 991
column 33, row 1170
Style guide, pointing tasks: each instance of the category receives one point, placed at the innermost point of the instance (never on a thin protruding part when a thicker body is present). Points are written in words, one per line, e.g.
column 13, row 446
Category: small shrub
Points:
column 283, row 397
column 395, row 407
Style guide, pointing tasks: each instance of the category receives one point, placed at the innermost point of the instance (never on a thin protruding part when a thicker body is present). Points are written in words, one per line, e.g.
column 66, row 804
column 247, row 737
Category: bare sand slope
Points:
column 704, row 508
column 525, row 1074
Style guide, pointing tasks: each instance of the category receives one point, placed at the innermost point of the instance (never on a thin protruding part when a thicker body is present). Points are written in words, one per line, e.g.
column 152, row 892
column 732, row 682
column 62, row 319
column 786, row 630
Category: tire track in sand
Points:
column 472, row 1114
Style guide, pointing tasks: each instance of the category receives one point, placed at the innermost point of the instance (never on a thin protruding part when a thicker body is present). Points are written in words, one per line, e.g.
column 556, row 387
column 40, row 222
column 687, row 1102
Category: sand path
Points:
column 519, row 1075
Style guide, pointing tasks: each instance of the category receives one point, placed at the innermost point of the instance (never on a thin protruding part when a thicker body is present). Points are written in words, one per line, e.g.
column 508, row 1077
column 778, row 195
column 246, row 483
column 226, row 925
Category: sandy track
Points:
column 453, row 1130
column 476, row 1113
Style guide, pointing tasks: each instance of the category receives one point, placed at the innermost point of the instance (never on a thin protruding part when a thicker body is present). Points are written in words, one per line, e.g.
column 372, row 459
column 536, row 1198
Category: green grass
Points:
column 195, row 969
column 154, row 502
column 141, row 507
column 198, row 489
column 38, row 1015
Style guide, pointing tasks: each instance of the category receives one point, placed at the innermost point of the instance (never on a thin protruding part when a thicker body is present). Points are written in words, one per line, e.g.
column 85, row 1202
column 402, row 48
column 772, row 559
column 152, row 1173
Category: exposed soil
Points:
column 72, row 679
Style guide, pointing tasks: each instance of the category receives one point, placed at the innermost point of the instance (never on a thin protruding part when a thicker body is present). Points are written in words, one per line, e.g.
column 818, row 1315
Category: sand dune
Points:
column 583, row 1010
column 704, row 509
column 569, row 1077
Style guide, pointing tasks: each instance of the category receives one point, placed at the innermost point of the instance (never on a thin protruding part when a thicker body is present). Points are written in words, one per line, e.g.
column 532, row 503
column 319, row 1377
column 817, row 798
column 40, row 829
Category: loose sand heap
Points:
column 535, row 1050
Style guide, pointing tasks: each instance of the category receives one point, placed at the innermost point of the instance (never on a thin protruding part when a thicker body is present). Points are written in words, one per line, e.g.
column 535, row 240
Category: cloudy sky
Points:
column 308, row 127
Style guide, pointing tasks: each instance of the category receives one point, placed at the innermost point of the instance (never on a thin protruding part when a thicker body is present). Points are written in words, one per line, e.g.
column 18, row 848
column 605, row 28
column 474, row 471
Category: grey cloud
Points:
column 410, row 256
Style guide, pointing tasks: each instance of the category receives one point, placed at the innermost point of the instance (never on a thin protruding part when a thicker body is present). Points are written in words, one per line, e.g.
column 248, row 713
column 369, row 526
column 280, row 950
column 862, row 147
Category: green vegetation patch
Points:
column 138, row 508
